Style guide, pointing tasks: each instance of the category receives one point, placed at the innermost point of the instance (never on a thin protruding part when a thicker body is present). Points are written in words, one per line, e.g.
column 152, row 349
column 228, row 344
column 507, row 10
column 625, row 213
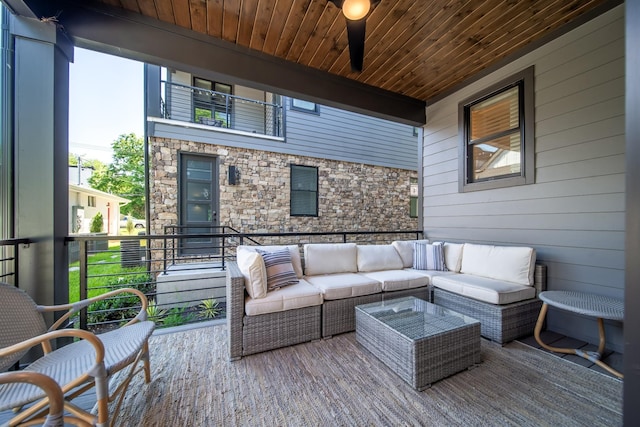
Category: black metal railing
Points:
column 182, row 287
column 9, row 260
column 221, row 110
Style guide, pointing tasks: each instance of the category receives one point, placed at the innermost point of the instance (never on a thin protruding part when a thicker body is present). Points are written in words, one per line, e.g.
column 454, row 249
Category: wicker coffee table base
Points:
column 424, row 361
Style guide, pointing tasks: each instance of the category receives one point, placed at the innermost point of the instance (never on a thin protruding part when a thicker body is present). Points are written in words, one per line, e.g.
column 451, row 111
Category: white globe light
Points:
column 355, row 9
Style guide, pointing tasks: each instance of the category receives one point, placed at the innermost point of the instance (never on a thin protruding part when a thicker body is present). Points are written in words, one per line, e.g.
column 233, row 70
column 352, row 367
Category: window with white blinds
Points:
column 304, row 190
column 498, row 135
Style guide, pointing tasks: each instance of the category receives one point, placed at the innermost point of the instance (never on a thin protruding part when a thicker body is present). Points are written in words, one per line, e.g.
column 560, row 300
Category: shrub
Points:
column 123, row 306
column 208, row 309
column 155, row 313
column 96, row 223
column 176, row 317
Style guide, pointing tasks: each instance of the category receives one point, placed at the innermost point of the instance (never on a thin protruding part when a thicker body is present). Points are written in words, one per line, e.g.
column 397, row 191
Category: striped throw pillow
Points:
column 428, row 256
column 279, row 268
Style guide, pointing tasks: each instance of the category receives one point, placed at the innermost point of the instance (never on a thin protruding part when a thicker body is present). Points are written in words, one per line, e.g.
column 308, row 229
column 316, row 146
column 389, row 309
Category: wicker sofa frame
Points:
column 255, row 334
column 499, row 323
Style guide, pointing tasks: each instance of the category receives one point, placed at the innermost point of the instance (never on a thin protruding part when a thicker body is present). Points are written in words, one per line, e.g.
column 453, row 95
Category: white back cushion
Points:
column 252, row 267
column 453, row 256
column 405, row 250
column 509, row 263
column 330, row 258
column 378, row 258
column 296, row 261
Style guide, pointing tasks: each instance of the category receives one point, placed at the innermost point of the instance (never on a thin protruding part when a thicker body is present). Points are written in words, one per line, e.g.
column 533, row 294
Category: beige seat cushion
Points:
column 395, row 280
column 431, row 273
column 300, row 295
column 344, row 285
column 483, row 289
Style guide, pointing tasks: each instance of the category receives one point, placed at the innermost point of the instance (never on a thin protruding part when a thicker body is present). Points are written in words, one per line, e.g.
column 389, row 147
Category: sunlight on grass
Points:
column 103, row 263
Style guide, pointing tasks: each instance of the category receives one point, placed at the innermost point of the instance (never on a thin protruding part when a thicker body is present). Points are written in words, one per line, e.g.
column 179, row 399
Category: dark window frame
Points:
column 292, row 191
column 210, row 101
column 316, row 109
column 525, row 80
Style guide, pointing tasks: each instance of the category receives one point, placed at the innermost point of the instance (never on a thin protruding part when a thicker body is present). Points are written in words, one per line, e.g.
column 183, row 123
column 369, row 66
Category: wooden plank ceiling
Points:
column 418, row 48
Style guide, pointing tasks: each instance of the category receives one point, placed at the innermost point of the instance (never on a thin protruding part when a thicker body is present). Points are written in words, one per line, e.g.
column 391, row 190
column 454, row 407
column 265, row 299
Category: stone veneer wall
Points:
column 352, row 196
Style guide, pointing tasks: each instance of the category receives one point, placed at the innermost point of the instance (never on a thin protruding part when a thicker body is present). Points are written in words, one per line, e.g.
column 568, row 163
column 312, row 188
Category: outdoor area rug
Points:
column 337, row 382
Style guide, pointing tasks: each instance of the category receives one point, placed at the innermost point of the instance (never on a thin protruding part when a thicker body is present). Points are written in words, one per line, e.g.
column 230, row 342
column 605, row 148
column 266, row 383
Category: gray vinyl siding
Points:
column 332, row 134
column 574, row 213
column 343, row 135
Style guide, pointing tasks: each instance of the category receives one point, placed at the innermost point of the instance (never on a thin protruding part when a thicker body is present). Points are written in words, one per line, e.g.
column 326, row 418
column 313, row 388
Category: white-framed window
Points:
column 497, row 135
column 91, row 201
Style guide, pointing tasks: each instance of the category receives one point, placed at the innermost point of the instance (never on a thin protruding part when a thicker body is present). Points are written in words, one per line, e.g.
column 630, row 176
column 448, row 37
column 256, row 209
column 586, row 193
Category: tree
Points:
column 97, row 223
column 125, row 175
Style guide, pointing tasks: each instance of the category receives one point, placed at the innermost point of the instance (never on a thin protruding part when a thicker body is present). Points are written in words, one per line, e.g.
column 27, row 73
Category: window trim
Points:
column 527, row 107
column 291, row 190
column 294, row 107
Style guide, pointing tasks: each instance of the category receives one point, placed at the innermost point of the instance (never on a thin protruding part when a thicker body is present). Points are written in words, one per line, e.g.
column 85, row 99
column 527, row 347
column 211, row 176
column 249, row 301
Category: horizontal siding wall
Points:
column 574, row 213
column 342, row 135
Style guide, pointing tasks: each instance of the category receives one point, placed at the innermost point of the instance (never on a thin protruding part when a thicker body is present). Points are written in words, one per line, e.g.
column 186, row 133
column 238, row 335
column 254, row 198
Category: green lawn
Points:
column 104, row 270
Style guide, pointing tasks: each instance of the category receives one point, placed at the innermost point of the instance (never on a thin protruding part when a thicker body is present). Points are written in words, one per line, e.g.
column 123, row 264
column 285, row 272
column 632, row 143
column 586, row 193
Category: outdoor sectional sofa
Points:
column 494, row 284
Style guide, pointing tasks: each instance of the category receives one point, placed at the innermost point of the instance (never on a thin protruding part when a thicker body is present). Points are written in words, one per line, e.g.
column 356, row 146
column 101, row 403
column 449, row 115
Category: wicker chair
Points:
column 89, row 362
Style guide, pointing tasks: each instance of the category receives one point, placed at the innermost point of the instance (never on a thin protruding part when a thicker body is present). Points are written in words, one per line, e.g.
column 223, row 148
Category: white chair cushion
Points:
column 507, row 263
column 344, row 285
column 377, row 258
column 252, row 267
column 405, row 250
column 296, row 261
column 300, row 295
column 484, row 289
column 330, row 258
column 431, row 273
column 395, row 280
column 453, row 256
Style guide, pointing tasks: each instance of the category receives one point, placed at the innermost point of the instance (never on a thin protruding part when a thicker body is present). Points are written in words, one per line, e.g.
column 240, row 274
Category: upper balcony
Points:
column 222, row 111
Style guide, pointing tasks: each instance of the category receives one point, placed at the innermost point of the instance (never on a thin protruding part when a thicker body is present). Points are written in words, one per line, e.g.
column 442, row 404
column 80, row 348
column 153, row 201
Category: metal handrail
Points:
column 14, row 259
column 180, row 102
column 145, row 267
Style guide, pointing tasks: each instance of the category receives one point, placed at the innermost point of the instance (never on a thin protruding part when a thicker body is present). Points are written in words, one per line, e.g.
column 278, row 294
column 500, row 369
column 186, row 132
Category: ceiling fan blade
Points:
column 356, row 36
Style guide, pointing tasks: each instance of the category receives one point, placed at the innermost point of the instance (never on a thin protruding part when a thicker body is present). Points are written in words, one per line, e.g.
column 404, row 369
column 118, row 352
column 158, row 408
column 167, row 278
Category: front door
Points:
column 199, row 203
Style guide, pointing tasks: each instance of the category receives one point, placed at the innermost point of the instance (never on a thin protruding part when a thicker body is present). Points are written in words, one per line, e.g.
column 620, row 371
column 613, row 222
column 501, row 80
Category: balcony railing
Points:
column 183, row 287
column 9, row 260
column 220, row 110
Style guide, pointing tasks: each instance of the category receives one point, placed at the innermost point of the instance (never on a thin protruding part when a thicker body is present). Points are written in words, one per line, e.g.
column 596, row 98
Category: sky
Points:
column 105, row 100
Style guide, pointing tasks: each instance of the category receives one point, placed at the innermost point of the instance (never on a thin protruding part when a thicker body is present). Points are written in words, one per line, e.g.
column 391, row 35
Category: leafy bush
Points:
column 155, row 313
column 123, row 306
column 176, row 317
column 97, row 223
column 208, row 309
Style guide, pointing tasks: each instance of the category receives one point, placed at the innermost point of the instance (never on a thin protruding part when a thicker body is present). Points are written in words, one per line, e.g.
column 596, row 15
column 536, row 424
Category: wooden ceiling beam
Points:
column 118, row 32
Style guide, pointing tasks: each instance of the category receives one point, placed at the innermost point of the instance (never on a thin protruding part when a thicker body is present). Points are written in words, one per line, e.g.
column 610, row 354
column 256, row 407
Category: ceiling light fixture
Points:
column 356, row 9
column 356, row 12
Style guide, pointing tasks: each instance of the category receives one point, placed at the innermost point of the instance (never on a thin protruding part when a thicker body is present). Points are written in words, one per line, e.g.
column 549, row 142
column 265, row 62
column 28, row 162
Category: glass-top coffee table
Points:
column 419, row 341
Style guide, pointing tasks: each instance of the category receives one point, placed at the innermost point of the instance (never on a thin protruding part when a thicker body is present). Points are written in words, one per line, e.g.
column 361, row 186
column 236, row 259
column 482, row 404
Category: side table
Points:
column 598, row 306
